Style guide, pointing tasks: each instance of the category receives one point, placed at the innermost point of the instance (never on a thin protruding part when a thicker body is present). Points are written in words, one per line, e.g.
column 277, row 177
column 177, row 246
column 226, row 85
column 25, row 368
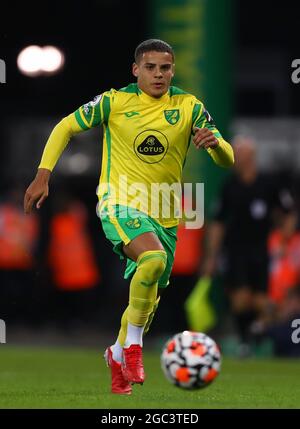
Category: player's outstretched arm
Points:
column 39, row 188
column 85, row 117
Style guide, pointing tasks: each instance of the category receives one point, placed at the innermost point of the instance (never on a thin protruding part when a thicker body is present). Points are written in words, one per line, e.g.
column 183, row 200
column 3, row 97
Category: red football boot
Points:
column 118, row 383
column 132, row 366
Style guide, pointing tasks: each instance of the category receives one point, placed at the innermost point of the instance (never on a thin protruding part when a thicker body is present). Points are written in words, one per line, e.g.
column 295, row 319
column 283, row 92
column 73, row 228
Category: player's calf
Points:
column 142, row 299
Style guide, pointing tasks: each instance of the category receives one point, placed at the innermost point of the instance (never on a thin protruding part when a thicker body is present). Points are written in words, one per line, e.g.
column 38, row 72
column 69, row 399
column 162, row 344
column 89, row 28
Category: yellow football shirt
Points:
column 145, row 145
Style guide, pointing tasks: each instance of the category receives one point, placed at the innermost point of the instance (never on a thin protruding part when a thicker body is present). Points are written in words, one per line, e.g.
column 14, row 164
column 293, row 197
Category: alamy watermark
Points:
column 163, row 201
column 296, row 73
column 296, row 333
column 2, row 332
column 2, row 71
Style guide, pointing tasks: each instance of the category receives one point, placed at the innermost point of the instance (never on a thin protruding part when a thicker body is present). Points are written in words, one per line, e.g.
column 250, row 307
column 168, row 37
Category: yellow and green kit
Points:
column 145, row 145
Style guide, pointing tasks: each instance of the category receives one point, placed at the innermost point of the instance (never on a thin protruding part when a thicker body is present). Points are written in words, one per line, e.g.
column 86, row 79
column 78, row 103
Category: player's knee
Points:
column 154, row 267
column 158, row 266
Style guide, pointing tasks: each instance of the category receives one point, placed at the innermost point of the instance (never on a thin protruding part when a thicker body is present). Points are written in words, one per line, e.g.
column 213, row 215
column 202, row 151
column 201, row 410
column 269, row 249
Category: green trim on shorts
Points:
column 123, row 224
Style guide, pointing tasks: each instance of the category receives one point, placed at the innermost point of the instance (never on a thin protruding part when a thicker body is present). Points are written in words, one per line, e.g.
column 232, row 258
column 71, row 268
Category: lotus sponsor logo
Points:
column 151, row 146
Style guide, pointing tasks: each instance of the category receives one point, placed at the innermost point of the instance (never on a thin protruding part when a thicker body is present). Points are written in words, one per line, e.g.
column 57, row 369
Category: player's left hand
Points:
column 204, row 138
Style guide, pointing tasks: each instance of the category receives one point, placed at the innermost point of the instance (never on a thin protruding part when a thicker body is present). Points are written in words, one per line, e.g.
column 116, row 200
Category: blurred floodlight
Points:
column 29, row 60
column 52, row 59
column 36, row 61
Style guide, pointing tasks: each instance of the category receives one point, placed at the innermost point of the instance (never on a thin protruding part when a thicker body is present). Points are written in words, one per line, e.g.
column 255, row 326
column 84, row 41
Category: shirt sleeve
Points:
column 223, row 153
column 202, row 119
column 95, row 112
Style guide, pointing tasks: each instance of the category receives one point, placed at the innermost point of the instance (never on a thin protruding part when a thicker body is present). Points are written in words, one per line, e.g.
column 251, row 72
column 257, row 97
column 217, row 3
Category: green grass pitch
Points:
column 72, row 378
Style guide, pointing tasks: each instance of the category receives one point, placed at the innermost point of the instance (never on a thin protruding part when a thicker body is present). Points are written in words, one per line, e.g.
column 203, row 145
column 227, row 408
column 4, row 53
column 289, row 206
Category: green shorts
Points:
column 124, row 224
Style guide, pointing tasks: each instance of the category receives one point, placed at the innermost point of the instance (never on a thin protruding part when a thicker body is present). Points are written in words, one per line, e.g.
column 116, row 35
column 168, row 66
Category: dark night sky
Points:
column 99, row 38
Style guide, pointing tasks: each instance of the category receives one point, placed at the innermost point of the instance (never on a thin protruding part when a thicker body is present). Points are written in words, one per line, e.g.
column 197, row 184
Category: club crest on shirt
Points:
column 172, row 116
column 134, row 223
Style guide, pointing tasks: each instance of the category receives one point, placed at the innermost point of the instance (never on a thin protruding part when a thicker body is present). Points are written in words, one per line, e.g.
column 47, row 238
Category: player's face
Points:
column 154, row 72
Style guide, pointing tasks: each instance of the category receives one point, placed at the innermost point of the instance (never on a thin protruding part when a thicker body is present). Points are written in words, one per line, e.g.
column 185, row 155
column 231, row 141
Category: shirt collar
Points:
column 148, row 99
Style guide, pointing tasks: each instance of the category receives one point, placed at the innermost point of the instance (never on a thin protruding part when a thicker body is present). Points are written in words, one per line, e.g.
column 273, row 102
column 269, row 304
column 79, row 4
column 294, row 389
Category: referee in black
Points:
column 236, row 239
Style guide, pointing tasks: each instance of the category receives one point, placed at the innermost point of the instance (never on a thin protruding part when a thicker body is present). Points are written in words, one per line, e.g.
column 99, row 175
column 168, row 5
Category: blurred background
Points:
column 238, row 277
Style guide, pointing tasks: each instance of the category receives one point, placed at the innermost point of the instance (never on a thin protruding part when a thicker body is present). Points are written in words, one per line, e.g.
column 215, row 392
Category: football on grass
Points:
column 191, row 360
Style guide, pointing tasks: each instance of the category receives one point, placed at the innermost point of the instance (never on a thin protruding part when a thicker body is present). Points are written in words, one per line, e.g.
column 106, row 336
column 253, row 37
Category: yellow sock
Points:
column 124, row 323
column 144, row 284
column 151, row 315
column 123, row 329
column 143, row 291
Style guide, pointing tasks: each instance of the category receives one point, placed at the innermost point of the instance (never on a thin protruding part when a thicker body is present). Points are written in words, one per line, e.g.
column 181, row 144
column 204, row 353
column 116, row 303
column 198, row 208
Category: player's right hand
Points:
column 35, row 191
column 38, row 191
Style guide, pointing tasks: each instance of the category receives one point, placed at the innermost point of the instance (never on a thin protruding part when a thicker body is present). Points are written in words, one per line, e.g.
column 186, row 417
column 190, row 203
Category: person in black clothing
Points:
column 249, row 203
